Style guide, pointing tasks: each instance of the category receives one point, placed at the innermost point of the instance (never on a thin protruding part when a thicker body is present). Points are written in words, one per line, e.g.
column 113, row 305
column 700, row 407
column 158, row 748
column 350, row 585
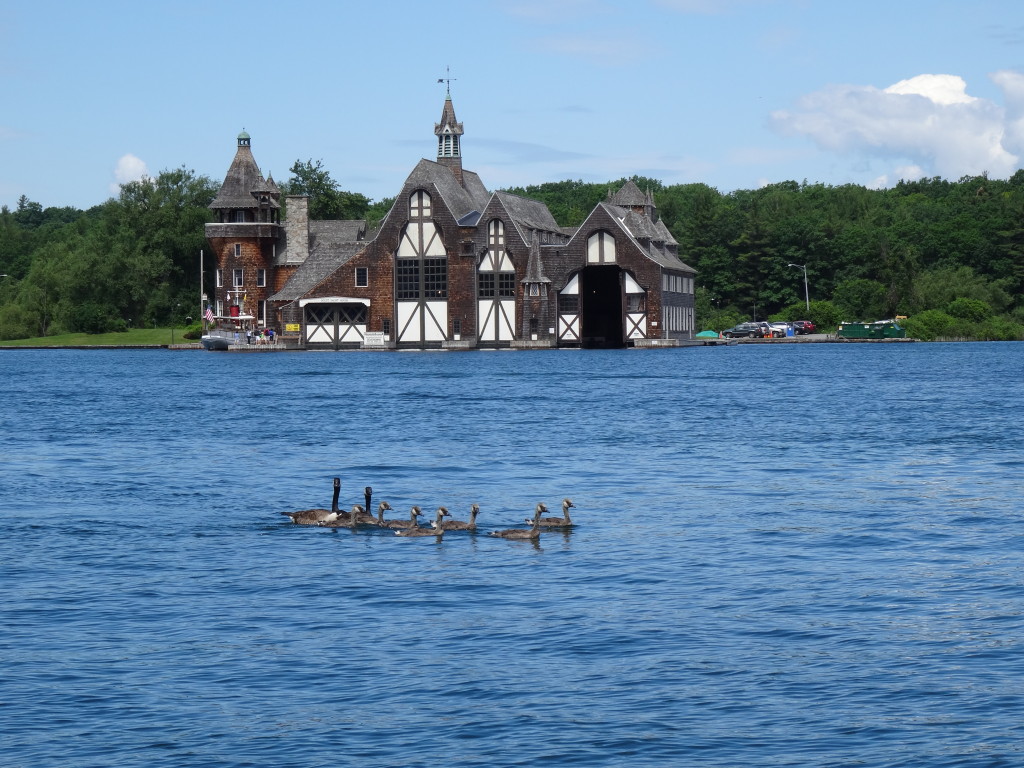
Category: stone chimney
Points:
column 296, row 230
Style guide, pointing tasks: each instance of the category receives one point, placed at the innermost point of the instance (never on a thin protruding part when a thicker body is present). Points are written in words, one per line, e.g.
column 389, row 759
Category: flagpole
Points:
column 202, row 309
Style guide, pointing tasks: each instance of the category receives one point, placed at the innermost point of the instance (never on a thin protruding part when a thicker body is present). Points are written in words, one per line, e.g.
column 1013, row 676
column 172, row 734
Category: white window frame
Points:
column 238, row 277
column 261, row 278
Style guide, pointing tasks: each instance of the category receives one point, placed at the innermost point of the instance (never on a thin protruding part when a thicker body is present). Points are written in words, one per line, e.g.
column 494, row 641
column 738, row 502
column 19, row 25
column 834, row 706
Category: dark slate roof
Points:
column 330, row 234
column 242, row 177
column 528, row 214
column 657, row 255
column 324, row 259
column 459, row 200
column 448, row 120
column 534, row 267
column 666, row 235
column 629, row 195
column 641, row 227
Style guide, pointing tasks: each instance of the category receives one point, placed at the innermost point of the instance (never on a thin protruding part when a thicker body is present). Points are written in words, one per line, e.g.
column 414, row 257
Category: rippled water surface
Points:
column 799, row 555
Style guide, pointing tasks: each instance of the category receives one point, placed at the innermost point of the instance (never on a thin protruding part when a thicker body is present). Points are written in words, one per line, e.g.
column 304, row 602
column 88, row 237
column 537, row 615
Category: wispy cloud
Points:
column 929, row 120
column 526, row 152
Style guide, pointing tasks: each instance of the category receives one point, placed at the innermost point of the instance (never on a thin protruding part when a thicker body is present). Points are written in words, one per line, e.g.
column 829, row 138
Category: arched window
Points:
column 419, row 205
column 601, row 248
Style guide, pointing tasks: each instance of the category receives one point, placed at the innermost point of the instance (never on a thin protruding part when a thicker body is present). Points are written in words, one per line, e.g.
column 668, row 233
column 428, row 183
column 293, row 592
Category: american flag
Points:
column 209, row 315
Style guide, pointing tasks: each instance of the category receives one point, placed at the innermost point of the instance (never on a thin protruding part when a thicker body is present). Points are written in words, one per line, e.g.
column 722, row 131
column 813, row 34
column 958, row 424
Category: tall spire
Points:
column 448, row 133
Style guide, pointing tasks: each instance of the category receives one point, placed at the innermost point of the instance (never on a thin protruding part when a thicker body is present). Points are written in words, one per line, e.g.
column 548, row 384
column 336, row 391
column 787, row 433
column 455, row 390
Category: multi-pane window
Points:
column 419, row 205
column 238, row 250
column 456, row 326
column 385, row 326
column 220, row 279
column 568, row 304
column 407, row 279
column 237, row 278
column 506, row 284
column 261, row 278
column 240, row 217
column 362, row 277
column 486, row 285
column 435, row 278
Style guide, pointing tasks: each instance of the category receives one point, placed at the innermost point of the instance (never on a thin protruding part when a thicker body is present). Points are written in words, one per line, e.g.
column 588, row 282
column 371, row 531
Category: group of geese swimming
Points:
column 358, row 515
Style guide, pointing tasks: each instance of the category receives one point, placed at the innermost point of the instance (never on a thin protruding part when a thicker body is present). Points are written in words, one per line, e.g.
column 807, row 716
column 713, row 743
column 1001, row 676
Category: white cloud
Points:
column 929, row 120
column 1012, row 85
column 129, row 168
column 942, row 89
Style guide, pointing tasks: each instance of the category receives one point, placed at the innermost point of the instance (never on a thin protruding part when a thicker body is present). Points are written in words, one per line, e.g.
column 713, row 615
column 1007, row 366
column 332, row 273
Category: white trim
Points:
column 333, row 300
column 632, row 286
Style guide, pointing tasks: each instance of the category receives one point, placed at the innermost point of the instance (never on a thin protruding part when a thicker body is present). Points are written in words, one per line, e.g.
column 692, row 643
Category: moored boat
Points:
column 218, row 339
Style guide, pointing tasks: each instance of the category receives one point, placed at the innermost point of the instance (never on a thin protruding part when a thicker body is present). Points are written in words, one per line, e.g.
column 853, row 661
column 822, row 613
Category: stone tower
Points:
column 244, row 235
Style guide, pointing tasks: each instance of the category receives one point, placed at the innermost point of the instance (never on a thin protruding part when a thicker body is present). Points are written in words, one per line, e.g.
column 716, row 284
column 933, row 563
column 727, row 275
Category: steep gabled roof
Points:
column 620, row 216
column 459, row 200
column 528, row 214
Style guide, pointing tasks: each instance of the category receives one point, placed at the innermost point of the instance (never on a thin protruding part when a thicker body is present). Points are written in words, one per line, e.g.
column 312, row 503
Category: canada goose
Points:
column 348, row 519
column 367, row 494
column 437, row 530
column 532, row 532
column 317, row 516
column 410, row 523
column 459, row 525
column 557, row 522
column 381, row 508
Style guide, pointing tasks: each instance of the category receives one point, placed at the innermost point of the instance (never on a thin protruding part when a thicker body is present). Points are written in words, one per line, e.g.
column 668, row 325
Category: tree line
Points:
column 948, row 255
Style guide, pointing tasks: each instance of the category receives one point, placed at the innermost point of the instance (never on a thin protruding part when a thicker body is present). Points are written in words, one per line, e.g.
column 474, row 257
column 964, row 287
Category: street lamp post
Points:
column 807, row 293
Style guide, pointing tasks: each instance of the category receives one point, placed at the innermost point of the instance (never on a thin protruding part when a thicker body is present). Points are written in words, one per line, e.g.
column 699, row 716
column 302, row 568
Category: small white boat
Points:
column 218, row 339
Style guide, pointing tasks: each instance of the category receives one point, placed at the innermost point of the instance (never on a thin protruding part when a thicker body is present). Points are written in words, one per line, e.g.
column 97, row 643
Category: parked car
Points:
column 800, row 327
column 780, row 330
column 744, row 330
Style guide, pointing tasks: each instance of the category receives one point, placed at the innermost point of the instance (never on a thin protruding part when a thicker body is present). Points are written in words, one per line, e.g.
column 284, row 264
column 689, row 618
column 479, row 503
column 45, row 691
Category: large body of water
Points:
column 798, row 555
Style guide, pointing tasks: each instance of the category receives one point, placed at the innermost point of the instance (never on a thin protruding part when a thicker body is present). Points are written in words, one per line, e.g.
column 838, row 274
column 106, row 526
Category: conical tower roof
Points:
column 242, row 179
column 448, row 122
column 629, row 196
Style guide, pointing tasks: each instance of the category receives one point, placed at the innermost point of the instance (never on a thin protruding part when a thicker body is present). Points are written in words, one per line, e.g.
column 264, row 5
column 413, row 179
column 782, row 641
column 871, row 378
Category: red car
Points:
column 800, row 327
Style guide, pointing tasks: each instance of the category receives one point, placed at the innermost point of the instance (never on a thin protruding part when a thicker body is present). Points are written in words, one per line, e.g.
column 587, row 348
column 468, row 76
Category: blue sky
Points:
column 732, row 93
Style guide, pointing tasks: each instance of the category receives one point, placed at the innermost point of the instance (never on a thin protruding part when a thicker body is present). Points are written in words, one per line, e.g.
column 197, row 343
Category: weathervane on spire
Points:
column 447, row 80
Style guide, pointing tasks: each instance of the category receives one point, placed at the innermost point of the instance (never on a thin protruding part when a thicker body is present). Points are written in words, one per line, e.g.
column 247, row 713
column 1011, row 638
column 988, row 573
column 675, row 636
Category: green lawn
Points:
column 134, row 337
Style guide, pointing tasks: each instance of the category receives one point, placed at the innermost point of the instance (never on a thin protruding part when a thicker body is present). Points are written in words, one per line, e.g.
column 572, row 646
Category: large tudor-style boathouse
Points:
column 450, row 266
